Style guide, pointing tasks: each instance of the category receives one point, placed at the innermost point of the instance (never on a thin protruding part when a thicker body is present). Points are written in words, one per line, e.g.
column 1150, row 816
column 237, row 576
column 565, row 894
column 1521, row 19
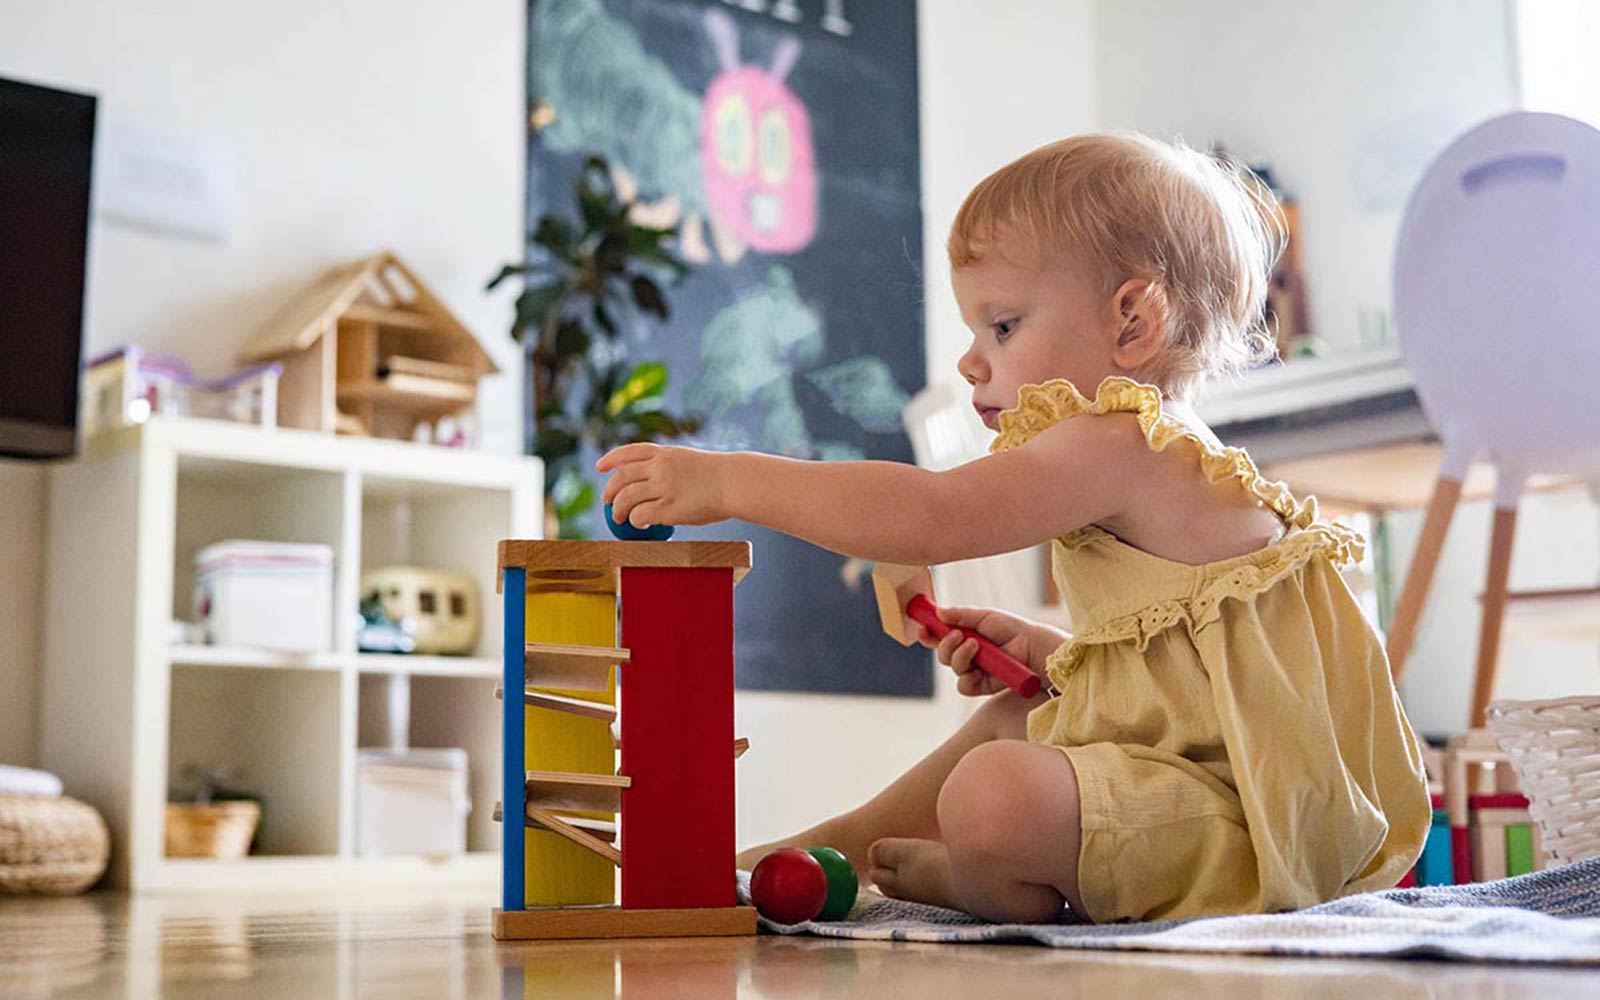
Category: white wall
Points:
column 996, row 80
column 21, row 542
column 356, row 125
column 361, row 124
column 1347, row 100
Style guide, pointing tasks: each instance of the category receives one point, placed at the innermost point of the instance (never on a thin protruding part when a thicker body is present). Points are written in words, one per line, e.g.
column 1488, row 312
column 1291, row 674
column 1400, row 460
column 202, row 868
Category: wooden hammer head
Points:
column 895, row 587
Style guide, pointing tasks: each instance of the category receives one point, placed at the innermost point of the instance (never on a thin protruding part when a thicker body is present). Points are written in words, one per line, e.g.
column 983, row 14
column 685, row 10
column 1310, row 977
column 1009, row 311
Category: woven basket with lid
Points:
column 1554, row 747
column 56, row 846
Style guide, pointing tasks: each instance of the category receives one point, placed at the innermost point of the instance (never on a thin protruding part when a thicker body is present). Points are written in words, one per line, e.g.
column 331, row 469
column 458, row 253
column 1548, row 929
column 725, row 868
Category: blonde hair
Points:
column 1203, row 230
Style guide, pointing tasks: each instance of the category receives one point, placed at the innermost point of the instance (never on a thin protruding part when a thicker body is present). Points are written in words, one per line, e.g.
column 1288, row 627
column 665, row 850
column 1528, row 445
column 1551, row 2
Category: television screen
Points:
column 46, row 151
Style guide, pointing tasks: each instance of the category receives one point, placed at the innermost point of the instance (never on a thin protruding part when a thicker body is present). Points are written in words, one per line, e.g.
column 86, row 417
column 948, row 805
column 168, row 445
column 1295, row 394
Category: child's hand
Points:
column 1012, row 634
column 655, row 484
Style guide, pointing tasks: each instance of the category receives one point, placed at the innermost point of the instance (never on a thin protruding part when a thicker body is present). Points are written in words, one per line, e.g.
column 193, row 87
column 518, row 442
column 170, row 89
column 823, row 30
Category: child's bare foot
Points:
column 915, row 870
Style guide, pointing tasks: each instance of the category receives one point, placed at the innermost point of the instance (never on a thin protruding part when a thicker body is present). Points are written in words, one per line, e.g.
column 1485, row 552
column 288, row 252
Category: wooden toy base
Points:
column 555, row 922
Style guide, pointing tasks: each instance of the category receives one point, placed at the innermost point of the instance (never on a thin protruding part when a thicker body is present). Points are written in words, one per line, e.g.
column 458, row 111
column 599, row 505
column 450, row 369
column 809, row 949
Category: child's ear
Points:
column 1141, row 323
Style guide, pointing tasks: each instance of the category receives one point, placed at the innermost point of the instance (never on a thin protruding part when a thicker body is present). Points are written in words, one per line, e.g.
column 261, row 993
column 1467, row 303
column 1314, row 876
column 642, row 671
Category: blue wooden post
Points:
column 512, row 739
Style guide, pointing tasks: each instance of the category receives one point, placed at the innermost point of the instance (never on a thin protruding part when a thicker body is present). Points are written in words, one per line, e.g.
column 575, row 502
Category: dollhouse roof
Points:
column 378, row 288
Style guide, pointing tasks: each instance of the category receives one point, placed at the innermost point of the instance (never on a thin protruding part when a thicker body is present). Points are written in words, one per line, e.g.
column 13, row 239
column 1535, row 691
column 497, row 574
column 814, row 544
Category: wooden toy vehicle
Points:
column 440, row 605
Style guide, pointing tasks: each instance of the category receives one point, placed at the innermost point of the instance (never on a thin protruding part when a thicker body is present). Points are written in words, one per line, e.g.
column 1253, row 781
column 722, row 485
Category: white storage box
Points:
column 266, row 595
column 411, row 802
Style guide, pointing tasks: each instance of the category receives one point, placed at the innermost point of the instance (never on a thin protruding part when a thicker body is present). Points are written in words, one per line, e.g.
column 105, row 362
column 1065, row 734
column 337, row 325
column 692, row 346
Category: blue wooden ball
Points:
column 628, row 533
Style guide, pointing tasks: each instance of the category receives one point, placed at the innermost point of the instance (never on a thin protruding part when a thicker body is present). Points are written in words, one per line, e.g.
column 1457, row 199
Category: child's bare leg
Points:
column 909, row 806
column 1010, row 827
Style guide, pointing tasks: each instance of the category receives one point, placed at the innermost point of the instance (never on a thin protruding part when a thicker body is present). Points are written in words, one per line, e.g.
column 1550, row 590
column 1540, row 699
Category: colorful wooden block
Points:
column 1519, row 849
column 669, row 806
column 677, row 721
column 560, row 871
column 1437, row 865
column 512, row 885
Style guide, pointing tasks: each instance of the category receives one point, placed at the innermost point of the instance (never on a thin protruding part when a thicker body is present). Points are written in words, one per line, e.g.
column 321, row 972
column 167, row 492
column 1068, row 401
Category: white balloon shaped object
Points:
column 1497, row 297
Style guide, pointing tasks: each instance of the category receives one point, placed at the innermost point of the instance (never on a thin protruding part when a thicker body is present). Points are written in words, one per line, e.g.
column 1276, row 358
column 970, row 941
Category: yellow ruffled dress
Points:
column 1237, row 739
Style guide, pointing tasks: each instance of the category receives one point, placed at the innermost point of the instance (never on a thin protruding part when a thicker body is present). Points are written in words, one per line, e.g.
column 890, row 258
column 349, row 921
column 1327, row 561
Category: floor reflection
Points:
column 437, row 945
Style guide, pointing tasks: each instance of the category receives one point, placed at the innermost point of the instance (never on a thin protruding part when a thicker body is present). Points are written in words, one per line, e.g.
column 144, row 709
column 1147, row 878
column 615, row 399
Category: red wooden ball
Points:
column 789, row 886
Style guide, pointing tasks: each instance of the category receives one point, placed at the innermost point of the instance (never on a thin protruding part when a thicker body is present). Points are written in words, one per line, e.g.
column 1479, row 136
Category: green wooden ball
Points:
column 842, row 883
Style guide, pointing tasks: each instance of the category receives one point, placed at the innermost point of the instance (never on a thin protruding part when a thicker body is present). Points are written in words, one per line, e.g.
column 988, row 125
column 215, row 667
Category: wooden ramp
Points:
column 571, row 667
column 582, row 792
column 561, row 703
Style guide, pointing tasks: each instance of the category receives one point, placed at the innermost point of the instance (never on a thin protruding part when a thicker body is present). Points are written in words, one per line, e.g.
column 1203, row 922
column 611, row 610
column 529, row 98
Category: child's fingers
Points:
column 625, row 475
column 623, row 454
column 974, row 683
column 961, row 657
column 958, row 615
column 627, row 498
column 947, row 647
column 646, row 513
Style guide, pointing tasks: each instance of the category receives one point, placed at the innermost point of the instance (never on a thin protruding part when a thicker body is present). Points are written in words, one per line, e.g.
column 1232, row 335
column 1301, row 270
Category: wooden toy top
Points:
column 568, row 554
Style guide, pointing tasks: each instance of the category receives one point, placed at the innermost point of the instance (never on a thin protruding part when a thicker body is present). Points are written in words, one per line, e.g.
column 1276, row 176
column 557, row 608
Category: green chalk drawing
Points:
column 750, row 355
column 611, row 97
column 863, row 389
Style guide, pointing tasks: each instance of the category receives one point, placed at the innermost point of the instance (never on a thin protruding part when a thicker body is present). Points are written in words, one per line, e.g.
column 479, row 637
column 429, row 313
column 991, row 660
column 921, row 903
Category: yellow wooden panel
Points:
column 559, row 872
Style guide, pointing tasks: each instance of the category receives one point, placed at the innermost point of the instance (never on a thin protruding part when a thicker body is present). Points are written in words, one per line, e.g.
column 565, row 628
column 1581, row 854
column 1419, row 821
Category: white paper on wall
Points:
column 167, row 183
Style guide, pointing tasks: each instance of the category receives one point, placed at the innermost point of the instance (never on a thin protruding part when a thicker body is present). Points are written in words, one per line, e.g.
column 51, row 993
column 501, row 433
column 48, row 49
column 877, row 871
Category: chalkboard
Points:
column 783, row 137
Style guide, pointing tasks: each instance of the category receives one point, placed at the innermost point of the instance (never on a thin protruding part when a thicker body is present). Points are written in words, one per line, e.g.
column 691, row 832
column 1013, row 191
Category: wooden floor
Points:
column 384, row 945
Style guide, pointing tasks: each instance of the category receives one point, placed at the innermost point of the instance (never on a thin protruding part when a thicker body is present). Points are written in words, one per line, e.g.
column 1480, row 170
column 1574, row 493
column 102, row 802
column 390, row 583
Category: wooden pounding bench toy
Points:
column 673, row 724
column 905, row 599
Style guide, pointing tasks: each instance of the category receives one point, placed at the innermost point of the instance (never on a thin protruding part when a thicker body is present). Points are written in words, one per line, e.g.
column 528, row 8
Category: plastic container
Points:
column 265, row 595
column 411, row 802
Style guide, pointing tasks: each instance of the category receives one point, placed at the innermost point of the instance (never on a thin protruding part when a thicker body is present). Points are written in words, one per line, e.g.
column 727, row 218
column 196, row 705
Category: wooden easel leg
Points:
column 1494, row 610
column 1419, row 578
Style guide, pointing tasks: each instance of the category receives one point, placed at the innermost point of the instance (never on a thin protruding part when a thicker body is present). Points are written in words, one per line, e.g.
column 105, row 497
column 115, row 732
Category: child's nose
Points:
column 971, row 366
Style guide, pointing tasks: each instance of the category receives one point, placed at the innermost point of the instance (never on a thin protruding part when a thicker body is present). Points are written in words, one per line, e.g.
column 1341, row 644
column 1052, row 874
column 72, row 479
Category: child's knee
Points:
column 983, row 801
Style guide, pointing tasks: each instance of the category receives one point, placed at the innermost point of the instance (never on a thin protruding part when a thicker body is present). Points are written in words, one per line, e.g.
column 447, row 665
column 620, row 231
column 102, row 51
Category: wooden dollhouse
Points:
column 619, row 646
column 369, row 350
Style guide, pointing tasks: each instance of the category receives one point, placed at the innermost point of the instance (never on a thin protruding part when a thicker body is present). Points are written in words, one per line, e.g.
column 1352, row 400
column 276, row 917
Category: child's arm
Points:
column 1059, row 481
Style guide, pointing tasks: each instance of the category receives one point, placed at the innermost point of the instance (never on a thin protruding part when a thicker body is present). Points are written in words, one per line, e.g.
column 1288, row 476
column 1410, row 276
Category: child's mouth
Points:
column 988, row 414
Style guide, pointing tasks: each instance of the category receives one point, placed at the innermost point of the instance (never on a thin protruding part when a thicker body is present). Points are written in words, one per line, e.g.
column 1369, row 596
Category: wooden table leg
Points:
column 1494, row 611
column 1419, row 578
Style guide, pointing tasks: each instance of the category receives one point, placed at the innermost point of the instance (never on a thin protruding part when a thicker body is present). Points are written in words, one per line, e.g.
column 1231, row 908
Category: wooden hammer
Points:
column 905, row 599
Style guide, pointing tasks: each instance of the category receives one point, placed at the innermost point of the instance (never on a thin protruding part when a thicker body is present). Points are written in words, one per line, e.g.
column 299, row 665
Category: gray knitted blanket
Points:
column 1550, row 916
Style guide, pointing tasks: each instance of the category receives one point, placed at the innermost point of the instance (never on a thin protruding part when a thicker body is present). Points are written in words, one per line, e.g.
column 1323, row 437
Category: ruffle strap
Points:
column 1040, row 407
column 1238, row 581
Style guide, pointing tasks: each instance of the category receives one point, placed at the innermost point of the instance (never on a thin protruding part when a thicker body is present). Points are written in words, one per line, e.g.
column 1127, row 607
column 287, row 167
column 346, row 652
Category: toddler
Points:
column 1220, row 733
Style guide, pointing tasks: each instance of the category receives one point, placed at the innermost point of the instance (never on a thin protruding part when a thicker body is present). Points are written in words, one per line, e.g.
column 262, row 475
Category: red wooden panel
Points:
column 677, row 734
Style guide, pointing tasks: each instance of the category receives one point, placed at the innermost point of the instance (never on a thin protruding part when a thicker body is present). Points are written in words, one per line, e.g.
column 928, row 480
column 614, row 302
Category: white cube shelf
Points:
column 123, row 708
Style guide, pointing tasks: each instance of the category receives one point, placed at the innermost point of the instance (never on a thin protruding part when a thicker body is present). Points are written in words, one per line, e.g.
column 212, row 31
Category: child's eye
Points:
column 1003, row 328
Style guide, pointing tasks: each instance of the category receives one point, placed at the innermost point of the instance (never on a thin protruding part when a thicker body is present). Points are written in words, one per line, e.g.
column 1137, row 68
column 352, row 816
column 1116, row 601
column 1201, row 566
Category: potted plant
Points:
column 590, row 291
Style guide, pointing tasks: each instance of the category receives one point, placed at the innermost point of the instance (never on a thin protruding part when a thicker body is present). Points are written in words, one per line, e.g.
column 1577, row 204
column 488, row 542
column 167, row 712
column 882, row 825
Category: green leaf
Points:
column 647, row 294
column 573, row 493
column 556, row 235
column 537, row 302
column 646, row 380
column 602, row 319
column 596, row 205
column 552, row 442
column 508, row 271
column 571, row 338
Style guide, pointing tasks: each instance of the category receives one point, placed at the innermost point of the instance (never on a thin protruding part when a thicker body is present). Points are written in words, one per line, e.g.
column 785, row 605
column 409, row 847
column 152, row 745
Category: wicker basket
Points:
column 1554, row 748
column 219, row 830
column 54, row 846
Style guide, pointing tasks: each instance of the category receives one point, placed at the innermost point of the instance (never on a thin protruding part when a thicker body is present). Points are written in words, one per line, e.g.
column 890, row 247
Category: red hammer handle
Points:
column 993, row 660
